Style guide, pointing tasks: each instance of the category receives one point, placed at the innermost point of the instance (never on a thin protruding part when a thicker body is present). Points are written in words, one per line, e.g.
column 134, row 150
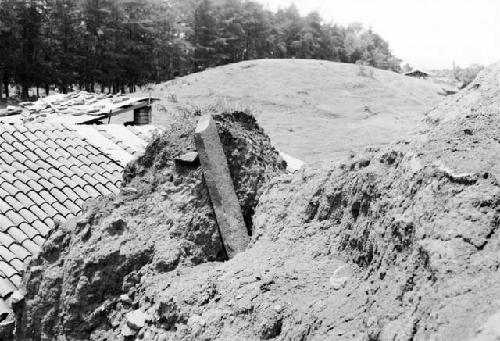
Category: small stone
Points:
column 148, row 335
column 338, row 283
column 239, row 297
column 140, row 335
column 136, row 319
column 278, row 308
column 340, row 277
column 129, row 190
column 196, row 324
column 190, row 157
column 127, row 331
column 125, row 299
column 17, row 297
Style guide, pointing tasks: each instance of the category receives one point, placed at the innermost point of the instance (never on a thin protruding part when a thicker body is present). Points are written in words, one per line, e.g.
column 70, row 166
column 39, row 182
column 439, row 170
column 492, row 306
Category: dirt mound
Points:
column 162, row 220
column 399, row 243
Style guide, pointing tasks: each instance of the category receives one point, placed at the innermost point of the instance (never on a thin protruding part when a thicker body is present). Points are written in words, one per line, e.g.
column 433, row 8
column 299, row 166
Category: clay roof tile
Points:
column 18, row 265
column 40, row 144
column 7, row 270
column 34, row 185
column 5, row 239
column 6, row 254
column 31, row 247
column 21, row 176
column 79, row 202
column 51, row 222
column 18, row 156
column 103, row 190
column 42, row 164
column 14, row 203
column 22, row 186
column 3, row 193
column 69, row 182
column 36, row 198
column 55, row 163
column 55, row 180
column 4, row 207
column 20, row 167
column 24, row 200
column 19, row 136
column 41, row 214
column 5, row 223
column 7, row 147
column 46, row 184
column 65, row 169
column 112, row 188
column 78, row 180
column 77, row 170
column 58, row 194
column 48, row 209
column 41, row 153
column 39, row 240
column 8, row 138
column 49, row 198
column 61, row 209
column 15, row 217
column 18, row 235
column 70, row 193
column 64, row 154
column 6, row 287
column 91, row 191
column 74, row 209
column 29, row 144
column 7, row 157
column 32, row 175
column 64, row 143
column 19, row 146
column 19, row 251
column 16, row 279
column 29, row 230
column 42, row 228
column 9, row 188
column 28, row 216
column 52, row 153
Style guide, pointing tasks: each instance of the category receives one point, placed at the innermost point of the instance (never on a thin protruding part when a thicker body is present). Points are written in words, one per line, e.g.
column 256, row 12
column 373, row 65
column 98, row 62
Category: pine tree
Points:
column 9, row 27
column 118, row 44
column 205, row 37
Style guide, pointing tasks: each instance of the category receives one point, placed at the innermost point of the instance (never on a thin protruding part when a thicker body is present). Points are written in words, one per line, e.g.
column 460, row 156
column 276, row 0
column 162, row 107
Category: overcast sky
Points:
column 425, row 33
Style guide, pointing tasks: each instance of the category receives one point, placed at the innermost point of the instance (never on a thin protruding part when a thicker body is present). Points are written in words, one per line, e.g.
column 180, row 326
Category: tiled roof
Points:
column 46, row 174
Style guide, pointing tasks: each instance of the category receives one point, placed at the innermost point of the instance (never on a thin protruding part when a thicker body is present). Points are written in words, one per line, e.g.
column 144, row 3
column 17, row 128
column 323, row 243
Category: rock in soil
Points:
column 136, row 319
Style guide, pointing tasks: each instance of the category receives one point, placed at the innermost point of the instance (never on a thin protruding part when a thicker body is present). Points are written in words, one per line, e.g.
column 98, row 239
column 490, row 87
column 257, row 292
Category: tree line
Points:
column 115, row 45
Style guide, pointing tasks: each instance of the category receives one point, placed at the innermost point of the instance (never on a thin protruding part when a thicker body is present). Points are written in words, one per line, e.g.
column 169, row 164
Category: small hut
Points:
column 417, row 74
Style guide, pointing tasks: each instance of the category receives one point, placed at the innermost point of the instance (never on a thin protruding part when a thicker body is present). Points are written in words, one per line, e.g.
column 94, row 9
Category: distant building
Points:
column 417, row 74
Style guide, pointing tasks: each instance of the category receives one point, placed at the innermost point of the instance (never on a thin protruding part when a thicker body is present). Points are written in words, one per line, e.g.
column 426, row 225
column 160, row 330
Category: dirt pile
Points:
column 94, row 266
column 399, row 243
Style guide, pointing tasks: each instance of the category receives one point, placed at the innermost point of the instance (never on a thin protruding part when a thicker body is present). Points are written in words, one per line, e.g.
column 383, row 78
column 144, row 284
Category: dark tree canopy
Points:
column 115, row 45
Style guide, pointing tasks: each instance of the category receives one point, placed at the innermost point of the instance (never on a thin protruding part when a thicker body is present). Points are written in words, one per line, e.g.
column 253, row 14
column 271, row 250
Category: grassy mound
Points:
column 311, row 109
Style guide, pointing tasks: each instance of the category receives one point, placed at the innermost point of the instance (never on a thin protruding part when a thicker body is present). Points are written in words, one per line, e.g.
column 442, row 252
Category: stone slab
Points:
column 220, row 186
